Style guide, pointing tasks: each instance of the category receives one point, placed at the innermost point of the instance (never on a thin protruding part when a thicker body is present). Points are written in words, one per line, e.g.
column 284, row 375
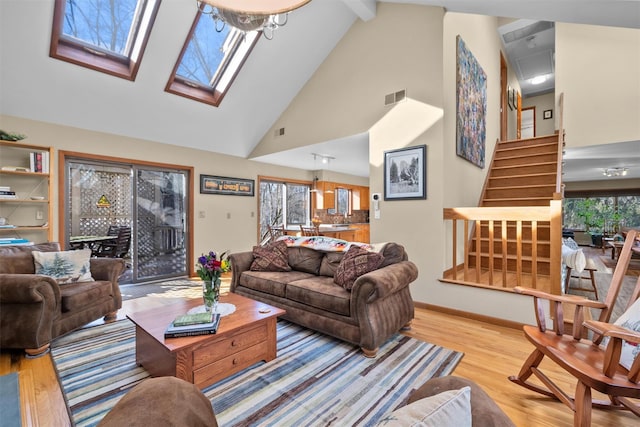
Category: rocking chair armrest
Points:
column 613, row 331
column 571, row 299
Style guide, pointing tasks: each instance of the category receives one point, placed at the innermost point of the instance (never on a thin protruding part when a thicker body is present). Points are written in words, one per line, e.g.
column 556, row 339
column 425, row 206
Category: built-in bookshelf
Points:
column 25, row 193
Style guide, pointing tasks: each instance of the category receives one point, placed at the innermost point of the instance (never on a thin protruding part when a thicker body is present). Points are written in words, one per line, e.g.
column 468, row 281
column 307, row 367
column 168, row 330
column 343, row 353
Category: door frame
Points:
column 64, row 155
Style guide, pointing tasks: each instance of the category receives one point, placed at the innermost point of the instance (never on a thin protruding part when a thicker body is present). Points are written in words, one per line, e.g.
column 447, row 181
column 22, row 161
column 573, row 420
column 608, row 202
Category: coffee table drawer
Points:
column 229, row 365
column 216, row 350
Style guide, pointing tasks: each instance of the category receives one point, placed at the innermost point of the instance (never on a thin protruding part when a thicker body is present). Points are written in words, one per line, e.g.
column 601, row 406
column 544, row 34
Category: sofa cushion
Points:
column 451, row 408
column 19, row 260
column 356, row 262
column 271, row 282
column 64, row 266
column 392, row 253
column 305, row 259
column 78, row 296
column 330, row 263
column 272, row 257
column 320, row 292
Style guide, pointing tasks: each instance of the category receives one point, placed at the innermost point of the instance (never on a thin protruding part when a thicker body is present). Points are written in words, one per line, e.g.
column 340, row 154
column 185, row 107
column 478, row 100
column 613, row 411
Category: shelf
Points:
column 23, row 211
column 25, row 227
column 38, row 174
column 23, row 201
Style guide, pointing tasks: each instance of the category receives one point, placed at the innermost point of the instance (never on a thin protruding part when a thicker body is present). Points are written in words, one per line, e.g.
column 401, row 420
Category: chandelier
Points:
column 250, row 15
column 615, row 172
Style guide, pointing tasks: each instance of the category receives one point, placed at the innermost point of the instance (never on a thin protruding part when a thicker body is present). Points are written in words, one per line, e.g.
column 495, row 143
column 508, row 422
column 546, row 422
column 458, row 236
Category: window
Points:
column 210, row 60
column 104, row 35
column 283, row 202
column 601, row 213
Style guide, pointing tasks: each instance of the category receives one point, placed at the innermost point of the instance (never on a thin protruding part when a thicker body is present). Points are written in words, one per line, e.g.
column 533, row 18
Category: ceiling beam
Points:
column 365, row 9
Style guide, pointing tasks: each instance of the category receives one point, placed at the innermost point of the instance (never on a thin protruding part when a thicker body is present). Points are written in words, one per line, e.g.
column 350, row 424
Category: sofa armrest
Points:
column 240, row 262
column 382, row 282
column 29, row 308
column 28, row 289
column 109, row 269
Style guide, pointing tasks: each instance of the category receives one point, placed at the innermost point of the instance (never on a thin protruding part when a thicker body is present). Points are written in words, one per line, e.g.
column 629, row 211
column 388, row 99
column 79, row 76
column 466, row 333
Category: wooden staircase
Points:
column 510, row 234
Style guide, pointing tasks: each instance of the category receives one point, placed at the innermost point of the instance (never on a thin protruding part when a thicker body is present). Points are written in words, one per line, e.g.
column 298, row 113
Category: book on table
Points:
column 208, row 328
column 193, row 319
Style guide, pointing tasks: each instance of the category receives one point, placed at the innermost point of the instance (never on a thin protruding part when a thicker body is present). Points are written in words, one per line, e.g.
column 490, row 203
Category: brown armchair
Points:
column 35, row 309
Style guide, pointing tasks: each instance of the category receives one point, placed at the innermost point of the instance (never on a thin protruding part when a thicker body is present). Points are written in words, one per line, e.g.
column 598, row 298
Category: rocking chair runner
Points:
column 593, row 367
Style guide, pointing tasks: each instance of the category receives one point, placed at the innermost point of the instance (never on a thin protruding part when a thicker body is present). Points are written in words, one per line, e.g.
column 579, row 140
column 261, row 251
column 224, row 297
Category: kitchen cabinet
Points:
column 325, row 195
column 361, row 232
column 25, row 199
column 360, row 197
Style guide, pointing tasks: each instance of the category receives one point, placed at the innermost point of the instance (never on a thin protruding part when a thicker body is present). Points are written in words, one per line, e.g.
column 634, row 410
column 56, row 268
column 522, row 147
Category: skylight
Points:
column 210, row 60
column 105, row 35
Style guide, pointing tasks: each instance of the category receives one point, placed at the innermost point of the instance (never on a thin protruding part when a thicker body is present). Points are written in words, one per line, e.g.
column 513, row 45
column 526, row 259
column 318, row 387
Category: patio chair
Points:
column 117, row 248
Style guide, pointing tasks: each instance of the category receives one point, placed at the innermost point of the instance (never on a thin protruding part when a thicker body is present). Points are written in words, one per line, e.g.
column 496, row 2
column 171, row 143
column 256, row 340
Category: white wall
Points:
column 542, row 103
column 598, row 69
column 215, row 231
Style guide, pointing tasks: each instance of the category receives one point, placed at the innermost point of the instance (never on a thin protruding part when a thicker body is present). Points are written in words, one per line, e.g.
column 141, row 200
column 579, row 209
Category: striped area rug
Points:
column 315, row 380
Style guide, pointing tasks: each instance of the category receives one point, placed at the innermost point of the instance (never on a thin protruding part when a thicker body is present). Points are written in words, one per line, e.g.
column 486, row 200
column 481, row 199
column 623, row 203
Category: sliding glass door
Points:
column 152, row 202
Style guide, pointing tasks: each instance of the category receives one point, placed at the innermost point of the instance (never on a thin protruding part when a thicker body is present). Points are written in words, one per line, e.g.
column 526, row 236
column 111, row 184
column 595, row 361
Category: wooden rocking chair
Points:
column 594, row 367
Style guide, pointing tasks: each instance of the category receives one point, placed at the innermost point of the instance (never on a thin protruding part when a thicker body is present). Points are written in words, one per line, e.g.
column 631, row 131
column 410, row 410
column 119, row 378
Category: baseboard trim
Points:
column 468, row 315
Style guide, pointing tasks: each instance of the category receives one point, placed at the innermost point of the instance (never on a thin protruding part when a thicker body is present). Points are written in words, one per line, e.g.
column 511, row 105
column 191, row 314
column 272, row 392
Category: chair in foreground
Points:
column 594, row 367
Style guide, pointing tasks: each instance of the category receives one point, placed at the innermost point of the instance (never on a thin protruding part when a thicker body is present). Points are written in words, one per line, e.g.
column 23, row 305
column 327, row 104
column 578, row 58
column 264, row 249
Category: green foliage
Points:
column 10, row 136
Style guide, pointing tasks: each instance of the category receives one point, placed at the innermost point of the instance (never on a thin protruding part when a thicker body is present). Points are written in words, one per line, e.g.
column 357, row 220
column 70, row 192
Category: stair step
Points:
column 536, row 158
column 519, row 170
column 514, row 143
column 522, row 201
column 547, row 178
column 544, row 191
column 527, row 150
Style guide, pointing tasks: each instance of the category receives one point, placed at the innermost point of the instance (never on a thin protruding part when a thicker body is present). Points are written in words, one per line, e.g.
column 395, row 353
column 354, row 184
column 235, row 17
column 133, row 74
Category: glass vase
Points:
column 211, row 294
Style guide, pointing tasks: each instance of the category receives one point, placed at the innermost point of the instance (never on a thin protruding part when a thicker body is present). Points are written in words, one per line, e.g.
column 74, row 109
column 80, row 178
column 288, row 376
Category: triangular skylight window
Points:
column 105, row 35
column 210, row 60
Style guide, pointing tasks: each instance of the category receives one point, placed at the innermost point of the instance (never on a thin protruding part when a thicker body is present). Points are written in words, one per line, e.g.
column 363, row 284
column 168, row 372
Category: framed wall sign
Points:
column 210, row 184
column 547, row 114
column 405, row 173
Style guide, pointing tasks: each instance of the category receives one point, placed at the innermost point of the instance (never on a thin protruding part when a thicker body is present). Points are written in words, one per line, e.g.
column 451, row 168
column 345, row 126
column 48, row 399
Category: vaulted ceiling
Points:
column 35, row 86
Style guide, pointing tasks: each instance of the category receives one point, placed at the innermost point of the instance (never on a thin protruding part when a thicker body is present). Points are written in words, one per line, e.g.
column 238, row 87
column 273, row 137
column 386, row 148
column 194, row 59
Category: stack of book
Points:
column 188, row 325
column 6, row 193
column 39, row 161
column 4, row 241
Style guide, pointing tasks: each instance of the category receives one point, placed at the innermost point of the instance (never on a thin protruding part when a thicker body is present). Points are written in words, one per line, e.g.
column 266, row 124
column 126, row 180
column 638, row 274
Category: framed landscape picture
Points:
column 405, row 173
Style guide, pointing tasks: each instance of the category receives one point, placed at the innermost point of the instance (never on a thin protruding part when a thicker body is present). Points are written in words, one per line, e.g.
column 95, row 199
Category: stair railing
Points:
column 473, row 219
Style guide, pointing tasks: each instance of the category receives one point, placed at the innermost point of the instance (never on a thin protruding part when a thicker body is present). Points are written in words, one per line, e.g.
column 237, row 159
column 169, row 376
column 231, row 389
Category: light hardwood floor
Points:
column 492, row 353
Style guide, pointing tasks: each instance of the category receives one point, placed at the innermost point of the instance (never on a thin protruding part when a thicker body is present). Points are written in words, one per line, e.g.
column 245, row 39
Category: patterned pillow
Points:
column 64, row 266
column 630, row 319
column 272, row 257
column 356, row 262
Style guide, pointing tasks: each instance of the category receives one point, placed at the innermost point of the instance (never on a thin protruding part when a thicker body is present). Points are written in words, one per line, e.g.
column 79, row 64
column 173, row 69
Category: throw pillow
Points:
column 630, row 319
column 355, row 263
column 574, row 258
column 451, row 408
column 272, row 257
column 64, row 266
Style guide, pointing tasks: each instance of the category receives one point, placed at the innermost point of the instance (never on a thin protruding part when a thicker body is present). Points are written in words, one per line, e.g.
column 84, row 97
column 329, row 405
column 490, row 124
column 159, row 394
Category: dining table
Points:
column 88, row 242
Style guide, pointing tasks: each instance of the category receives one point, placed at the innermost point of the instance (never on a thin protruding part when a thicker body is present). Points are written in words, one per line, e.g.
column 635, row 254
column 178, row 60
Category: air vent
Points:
column 278, row 132
column 395, row 97
column 524, row 32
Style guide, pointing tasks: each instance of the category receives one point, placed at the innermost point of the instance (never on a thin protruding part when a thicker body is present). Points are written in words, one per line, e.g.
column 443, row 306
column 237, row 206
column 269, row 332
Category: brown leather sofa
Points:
column 35, row 309
column 169, row 401
column 378, row 305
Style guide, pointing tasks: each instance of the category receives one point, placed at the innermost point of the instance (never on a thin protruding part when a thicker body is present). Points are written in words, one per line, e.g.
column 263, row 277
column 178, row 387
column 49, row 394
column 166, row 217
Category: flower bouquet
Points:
column 209, row 268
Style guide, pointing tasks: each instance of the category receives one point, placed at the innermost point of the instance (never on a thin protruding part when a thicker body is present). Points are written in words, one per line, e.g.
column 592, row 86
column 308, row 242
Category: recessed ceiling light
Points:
column 538, row 79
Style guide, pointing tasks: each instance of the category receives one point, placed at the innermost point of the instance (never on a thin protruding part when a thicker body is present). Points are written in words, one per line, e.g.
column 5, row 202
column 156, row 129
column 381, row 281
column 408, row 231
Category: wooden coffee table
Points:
column 244, row 337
